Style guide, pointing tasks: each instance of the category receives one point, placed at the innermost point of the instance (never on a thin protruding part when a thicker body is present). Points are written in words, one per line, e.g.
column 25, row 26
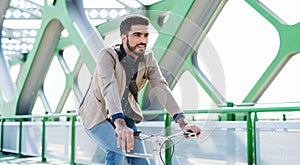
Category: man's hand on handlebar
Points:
column 125, row 135
column 189, row 128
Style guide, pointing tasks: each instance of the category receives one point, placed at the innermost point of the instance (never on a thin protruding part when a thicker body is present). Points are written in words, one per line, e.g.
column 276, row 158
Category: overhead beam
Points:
column 7, row 86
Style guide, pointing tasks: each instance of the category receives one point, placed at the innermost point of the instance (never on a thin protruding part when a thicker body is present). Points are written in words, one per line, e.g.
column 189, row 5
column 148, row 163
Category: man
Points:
column 110, row 108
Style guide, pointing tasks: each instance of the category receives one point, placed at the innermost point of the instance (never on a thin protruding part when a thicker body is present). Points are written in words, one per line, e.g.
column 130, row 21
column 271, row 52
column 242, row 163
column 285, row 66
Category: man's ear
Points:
column 123, row 37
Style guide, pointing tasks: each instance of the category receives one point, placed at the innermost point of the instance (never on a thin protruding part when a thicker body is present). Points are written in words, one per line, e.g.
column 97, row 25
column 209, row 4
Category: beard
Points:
column 135, row 49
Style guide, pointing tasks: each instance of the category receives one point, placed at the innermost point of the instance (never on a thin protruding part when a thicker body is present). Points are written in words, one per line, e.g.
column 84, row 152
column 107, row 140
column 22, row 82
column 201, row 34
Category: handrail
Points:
column 224, row 110
column 54, row 115
column 251, row 132
column 45, row 119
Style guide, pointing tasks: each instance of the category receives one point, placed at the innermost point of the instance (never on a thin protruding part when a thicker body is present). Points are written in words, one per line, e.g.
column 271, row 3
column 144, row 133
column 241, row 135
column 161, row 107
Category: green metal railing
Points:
column 45, row 118
column 250, row 126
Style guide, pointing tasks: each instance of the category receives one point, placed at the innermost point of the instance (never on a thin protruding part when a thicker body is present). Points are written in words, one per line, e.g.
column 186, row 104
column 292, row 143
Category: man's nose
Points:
column 144, row 39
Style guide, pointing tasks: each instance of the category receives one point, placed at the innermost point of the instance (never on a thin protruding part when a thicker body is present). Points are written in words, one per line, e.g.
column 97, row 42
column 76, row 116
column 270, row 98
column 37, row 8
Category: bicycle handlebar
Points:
column 158, row 142
column 190, row 133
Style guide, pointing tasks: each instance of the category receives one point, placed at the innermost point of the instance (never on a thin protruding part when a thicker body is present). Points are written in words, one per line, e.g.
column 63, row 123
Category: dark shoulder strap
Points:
column 132, row 85
column 120, row 54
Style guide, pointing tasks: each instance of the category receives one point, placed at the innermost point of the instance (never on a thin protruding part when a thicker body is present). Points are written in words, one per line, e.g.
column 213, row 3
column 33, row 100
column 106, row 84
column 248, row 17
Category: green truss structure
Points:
column 181, row 28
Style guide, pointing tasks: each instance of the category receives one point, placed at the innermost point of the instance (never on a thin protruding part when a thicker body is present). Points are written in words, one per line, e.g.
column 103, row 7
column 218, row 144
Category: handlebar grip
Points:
column 191, row 133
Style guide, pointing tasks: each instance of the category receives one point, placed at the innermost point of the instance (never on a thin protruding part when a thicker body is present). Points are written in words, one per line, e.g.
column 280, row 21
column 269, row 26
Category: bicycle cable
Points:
column 172, row 148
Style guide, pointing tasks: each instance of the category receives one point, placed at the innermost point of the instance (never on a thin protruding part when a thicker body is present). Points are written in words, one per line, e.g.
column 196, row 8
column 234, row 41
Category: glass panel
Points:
column 277, row 142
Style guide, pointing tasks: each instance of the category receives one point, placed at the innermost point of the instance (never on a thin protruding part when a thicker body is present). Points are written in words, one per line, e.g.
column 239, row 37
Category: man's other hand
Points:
column 125, row 135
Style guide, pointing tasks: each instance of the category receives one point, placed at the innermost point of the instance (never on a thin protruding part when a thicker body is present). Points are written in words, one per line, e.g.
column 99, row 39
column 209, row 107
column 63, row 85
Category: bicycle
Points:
column 159, row 142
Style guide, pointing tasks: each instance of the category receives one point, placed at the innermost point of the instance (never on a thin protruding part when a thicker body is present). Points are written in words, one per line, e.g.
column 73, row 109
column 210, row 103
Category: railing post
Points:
column 168, row 150
column 20, row 137
column 284, row 117
column 249, row 139
column 230, row 116
column 230, row 154
column 45, row 119
column 254, row 137
column 72, row 161
column 2, row 133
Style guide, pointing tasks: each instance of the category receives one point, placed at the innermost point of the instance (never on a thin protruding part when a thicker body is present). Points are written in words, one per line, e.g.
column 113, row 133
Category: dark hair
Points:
column 131, row 20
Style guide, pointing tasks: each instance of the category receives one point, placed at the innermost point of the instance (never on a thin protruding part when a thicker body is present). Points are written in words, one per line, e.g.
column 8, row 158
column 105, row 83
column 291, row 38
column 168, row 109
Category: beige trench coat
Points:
column 103, row 98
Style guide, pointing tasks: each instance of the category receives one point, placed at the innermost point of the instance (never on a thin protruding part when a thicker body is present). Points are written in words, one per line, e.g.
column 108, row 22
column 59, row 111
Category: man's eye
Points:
column 140, row 35
column 136, row 34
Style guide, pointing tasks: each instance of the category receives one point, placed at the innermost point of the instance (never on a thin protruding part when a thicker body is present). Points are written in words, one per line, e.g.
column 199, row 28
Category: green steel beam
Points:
column 34, row 71
column 108, row 26
column 178, row 12
column 178, row 9
column 178, row 39
column 157, row 11
column 7, row 87
column 203, row 81
column 69, row 82
column 289, row 46
column 36, row 67
column 168, row 32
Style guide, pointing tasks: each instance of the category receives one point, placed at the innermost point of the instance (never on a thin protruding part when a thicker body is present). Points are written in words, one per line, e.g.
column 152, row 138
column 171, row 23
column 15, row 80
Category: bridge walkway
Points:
column 14, row 159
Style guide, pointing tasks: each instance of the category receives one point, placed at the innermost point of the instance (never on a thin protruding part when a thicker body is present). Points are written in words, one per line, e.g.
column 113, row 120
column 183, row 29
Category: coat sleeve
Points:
column 108, row 85
column 160, row 87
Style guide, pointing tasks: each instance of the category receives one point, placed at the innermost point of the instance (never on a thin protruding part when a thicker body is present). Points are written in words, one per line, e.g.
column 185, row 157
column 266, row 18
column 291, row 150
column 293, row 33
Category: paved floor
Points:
column 13, row 159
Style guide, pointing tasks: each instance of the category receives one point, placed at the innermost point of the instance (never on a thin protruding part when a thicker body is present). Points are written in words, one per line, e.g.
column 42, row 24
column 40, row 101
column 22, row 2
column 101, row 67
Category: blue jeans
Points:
column 105, row 136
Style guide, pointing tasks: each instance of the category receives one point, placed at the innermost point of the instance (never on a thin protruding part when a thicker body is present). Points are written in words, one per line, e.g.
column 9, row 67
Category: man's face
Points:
column 136, row 40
